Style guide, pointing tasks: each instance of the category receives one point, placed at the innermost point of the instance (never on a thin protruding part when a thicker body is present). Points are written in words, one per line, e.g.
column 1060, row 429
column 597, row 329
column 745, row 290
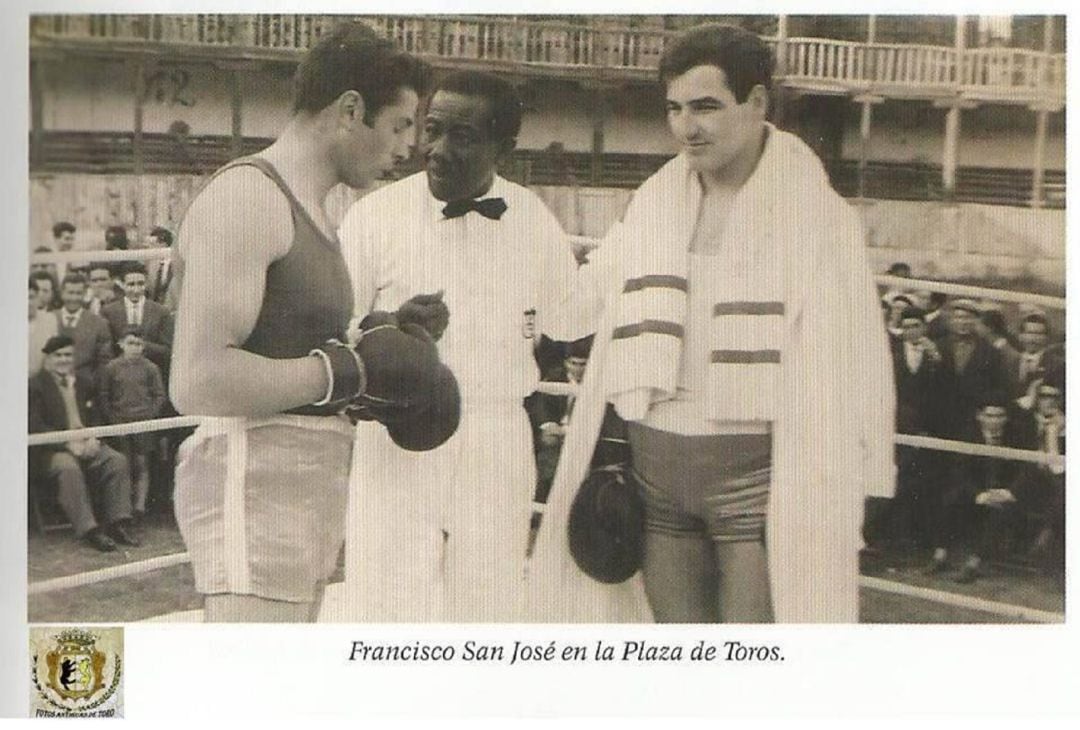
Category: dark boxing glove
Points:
column 399, row 362
column 423, row 429
column 427, row 310
column 408, row 390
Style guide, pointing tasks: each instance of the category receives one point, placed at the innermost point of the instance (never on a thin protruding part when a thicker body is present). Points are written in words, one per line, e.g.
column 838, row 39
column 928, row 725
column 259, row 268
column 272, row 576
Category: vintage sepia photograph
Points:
column 546, row 319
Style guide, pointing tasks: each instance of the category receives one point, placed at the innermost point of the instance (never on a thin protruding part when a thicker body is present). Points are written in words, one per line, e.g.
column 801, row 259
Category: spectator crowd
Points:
column 100, row 338
column 100, row 343
column 965, row 371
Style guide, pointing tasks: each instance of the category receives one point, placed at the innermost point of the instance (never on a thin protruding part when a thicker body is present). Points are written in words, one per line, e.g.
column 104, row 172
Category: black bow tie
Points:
column 492, row 208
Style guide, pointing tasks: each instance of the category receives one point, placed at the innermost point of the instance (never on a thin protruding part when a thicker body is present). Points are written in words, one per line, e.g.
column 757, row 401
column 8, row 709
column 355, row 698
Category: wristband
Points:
column 344, row 372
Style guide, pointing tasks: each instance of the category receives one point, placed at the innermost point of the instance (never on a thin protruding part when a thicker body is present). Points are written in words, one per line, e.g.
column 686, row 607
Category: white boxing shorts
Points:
column 261, row 504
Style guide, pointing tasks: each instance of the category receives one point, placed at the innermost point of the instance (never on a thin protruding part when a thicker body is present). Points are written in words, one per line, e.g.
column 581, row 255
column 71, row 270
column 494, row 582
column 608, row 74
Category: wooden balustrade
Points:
column 566, row 45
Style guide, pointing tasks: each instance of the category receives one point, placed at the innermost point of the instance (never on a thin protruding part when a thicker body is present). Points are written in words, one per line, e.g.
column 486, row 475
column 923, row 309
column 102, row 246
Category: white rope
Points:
column 117, row 571
column 964, row 290
column 118, row 429
column 65, row 257
column 922, row 442
column 961, row 601
column 973, row 449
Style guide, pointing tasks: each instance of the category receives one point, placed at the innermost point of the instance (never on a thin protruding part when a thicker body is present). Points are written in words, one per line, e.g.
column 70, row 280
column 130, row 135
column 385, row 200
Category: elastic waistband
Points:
column 657, row 454
column 212, row 427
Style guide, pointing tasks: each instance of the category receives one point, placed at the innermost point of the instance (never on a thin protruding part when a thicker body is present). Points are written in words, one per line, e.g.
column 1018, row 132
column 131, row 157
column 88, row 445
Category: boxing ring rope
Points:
column 868, row 582
column 137, row 567
column 118, row 429
column 966, row 290
column 67, row 257
column 944, row 287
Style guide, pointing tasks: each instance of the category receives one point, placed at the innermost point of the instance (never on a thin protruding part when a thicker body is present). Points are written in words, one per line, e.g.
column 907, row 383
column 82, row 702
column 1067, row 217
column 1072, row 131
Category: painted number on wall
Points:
column 171, row 87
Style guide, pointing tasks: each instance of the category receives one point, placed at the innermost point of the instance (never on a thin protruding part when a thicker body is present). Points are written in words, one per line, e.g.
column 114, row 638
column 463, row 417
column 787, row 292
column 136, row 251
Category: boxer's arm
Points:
column 231, row 234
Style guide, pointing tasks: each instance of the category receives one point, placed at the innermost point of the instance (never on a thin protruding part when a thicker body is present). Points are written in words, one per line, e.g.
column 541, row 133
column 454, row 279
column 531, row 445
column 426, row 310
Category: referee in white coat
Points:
column 441, row 536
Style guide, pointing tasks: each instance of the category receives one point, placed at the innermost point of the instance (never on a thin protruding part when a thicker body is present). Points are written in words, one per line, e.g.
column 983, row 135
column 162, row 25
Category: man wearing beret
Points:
column 441, row 536
column 85, row 470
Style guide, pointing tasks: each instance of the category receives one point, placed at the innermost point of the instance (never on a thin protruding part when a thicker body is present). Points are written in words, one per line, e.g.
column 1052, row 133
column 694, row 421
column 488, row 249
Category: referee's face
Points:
column 459, row 150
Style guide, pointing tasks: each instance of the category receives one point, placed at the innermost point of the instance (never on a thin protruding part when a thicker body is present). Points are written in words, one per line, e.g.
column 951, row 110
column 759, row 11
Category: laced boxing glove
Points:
column 427, row 310
column 408, row 390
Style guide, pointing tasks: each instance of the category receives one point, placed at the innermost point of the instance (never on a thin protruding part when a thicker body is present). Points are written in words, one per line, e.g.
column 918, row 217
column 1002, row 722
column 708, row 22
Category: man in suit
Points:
column 550, row 414
column 979, row 499
column 917, row 374
column 161, row 238
column 103, row 289
column 135, row 309
column 63, row 241
column 1041, row 487
column 971, row 370
column 935, row 313
column 86, row 471
column 90, row 333
column 1035, row 362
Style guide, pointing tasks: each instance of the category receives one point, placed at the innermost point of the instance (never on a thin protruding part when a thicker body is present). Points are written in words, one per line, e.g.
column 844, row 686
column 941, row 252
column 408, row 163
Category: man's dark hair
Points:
column 1037, row 318
column 744, row 58
column 504, row 102
column 938, row 299
column 913, row 312
column 162, row 234
column 353, row 57
column 116, row 238
column 61, row 228
column 899, row 269
column 133, row 267
column 33, row 284
column 39, row 275
column 75, row 278
column 995, row 322
column 994, row 398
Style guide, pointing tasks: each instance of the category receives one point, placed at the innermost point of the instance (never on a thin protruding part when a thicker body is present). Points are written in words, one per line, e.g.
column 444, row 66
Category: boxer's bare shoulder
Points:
column 240, row 210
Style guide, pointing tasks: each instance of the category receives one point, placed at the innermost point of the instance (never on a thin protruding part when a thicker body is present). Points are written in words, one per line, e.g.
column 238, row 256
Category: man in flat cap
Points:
column 971, row 373
column 971, row 368
column 86, row 471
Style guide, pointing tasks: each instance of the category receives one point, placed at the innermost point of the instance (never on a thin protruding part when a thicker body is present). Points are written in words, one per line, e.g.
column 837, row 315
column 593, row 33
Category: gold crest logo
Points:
column 73, row 676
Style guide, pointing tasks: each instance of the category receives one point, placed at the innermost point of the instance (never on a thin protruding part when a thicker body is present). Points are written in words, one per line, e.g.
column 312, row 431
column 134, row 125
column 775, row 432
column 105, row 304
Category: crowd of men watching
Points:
column 100, row 344
column 965, row 371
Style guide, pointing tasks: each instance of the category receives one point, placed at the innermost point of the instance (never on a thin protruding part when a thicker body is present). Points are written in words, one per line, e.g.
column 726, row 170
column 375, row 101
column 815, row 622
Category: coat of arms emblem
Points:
column 76, row 676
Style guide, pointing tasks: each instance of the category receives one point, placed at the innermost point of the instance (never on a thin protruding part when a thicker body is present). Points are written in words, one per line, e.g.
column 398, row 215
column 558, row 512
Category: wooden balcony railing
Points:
column 995, row 72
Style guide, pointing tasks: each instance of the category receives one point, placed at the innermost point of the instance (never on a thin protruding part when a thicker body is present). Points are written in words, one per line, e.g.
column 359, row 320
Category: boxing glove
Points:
column 427, row 310
column 400, row 363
